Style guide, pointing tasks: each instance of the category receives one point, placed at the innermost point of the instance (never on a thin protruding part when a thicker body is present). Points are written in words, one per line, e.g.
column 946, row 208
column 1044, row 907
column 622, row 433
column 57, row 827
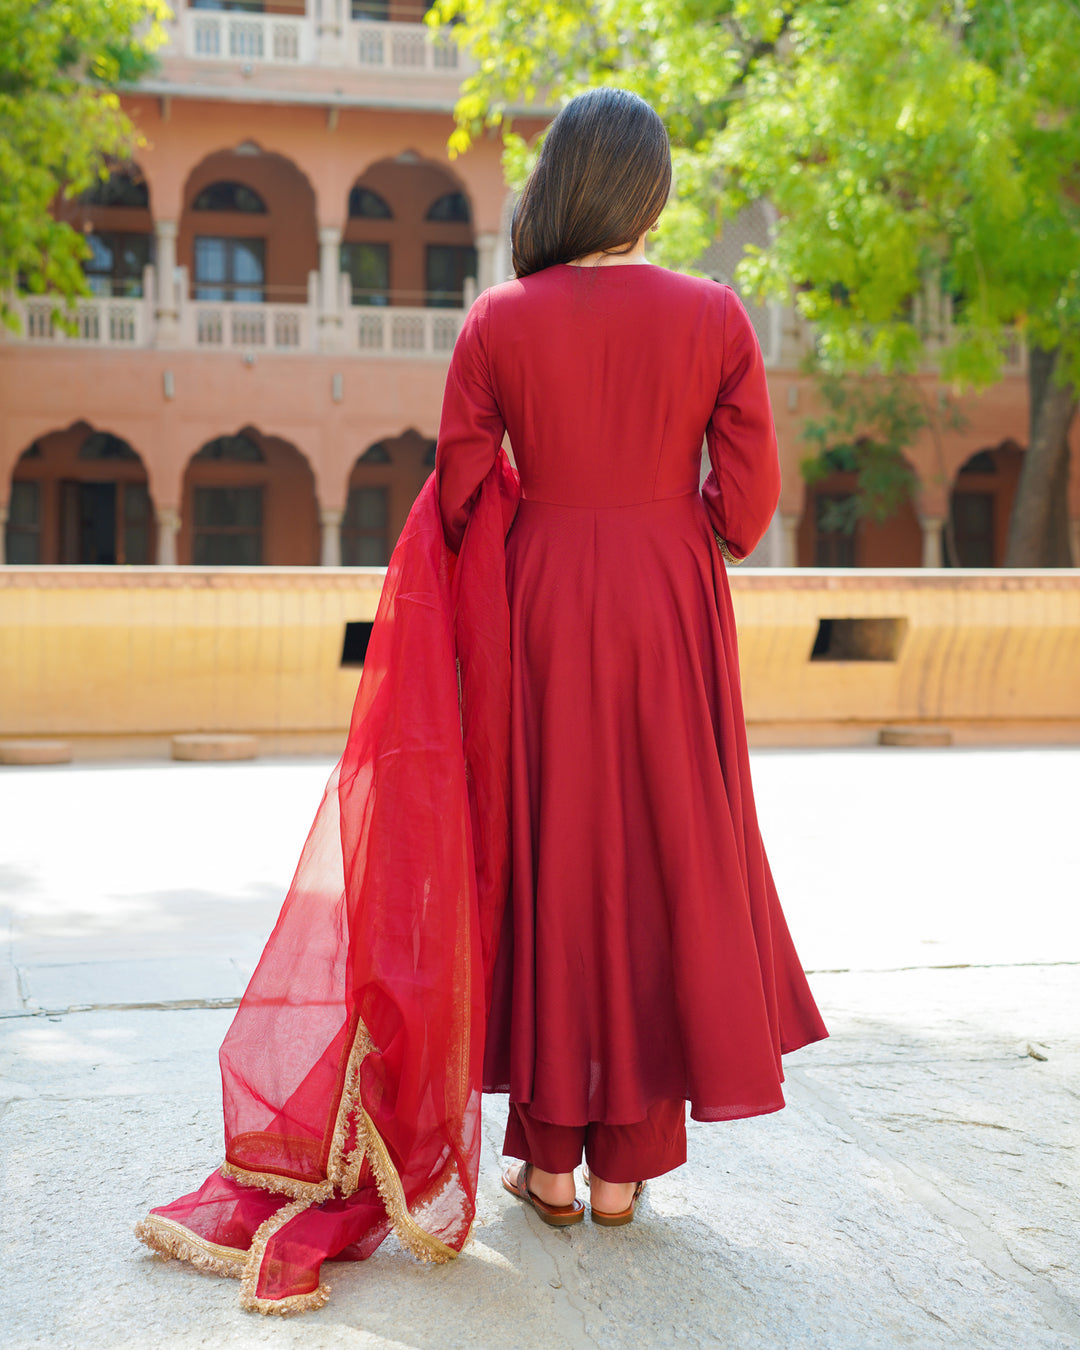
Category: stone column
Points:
column 168, row 527
column 1074, row 539
column 486, row 248
column 329, row 288
column 166, row 310
column 790, row 550
column 931, row 540
column 3, row 533
column 330, row 519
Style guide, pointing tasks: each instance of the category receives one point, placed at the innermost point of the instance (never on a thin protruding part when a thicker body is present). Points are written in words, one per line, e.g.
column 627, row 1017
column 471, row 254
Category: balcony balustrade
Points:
column 294, row 40
column 400, row 47
column 240, row 326
column 105, row 321
column 401, row 331
column 213, row 35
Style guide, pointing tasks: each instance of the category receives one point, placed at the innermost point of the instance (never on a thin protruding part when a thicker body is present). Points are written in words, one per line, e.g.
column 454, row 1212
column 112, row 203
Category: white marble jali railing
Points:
column 401, row 330
column 240, row 326
column 104, row 321
column 219, row 35
column 400, row 47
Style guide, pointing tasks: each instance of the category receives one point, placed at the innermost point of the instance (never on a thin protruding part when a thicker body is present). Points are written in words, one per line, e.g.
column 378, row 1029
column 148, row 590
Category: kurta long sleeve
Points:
column 743, row 486
column 471, row 428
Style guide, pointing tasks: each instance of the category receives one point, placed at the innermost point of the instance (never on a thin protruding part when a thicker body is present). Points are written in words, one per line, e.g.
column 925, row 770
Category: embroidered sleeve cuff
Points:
column 725, row 552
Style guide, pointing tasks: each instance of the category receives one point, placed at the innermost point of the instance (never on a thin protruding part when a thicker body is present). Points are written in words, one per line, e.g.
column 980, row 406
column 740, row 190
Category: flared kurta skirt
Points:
column 644, row 954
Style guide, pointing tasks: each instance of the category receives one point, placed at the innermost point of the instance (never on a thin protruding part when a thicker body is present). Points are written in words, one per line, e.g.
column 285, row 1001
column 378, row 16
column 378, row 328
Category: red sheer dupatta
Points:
column 352, row 1070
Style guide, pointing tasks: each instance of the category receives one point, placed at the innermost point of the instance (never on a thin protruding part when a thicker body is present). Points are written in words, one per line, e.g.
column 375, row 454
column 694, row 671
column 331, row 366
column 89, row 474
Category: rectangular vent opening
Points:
column 858, row 639
column 354, row 648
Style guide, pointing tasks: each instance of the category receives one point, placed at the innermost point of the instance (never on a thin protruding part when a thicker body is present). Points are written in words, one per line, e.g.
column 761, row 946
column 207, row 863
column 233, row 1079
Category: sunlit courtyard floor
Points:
column 920, row 1189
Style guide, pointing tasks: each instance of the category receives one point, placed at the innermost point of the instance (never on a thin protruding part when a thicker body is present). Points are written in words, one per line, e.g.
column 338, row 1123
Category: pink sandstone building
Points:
column 278, row 281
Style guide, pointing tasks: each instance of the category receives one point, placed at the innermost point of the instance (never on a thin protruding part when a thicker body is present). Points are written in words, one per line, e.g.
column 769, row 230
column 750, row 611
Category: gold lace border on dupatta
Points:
column 170, row 1239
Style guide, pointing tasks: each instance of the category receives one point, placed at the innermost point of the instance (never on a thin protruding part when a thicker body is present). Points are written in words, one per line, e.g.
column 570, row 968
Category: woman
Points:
column 644, row 961
column 536, row 868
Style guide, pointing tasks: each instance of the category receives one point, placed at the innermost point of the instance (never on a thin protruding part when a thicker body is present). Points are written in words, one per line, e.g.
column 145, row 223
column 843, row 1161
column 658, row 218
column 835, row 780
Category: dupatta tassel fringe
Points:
column 249, row 1280
column 171, row 1241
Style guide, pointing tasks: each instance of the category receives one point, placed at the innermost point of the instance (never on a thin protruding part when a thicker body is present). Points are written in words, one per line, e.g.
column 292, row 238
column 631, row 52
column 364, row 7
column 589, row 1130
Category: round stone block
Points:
column 214, row 745
column 35, row 752
column 915, row 735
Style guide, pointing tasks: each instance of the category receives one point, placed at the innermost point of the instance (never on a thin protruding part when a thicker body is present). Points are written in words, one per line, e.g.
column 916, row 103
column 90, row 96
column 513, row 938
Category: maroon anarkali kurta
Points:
column 644, row 954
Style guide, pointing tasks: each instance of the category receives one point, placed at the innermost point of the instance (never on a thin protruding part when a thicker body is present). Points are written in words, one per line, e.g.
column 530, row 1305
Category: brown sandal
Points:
column 515, row 1180
column 607, row 1220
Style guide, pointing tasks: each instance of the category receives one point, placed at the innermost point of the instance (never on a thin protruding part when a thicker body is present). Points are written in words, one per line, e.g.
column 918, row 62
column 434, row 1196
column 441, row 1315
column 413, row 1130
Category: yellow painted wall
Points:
column 133, row 655
column 993, row 654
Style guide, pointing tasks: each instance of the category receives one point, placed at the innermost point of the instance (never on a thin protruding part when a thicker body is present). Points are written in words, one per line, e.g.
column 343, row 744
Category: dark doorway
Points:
column 87, row 522
column 104, row 523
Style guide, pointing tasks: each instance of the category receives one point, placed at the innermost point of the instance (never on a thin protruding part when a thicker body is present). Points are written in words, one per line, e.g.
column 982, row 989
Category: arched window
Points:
column 239, row 449
column 104, row 445
column 122, row 187
column 367, row 205
column 226, row 195
column 376, row 454
column 453, row 206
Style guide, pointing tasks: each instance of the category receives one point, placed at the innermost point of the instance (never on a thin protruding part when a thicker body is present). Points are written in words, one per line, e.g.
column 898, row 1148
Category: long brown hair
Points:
column 601, row 181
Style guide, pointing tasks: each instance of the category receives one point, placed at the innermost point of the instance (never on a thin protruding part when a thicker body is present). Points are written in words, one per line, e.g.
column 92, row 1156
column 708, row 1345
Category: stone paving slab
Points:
column 821, row 1226
column 919, row 1190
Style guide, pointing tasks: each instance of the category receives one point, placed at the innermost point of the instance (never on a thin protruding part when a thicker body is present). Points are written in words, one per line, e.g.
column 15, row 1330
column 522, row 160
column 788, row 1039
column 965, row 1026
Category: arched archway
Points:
column 248, row 501
column 980, row 505
column 408, row 236
column 830, row 534
column 80, row 496
column 248, row 229
column 383, row 485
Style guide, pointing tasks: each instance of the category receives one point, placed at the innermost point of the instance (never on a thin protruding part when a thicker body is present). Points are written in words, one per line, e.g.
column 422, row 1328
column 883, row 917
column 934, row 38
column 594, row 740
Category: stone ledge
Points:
column 35, row 752
column 915, row 735
column 214, row 746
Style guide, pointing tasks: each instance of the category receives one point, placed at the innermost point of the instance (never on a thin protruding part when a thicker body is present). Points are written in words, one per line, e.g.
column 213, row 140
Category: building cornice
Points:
column 306, row 98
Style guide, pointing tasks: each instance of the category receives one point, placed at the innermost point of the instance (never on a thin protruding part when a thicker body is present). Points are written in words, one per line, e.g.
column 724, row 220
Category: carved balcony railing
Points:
column 175, row 320
column 295, row 40
column 399, row 330
column 220, row 35
column 105, row 321
column 231, row 325
column 400, row 47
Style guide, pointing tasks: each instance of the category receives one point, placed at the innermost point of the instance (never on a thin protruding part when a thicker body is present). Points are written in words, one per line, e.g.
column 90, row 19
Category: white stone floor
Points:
column 921, row 1188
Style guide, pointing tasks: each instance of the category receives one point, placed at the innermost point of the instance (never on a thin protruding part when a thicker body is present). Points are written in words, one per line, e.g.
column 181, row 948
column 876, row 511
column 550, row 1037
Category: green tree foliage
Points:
column 922, row 158
column 60, row 124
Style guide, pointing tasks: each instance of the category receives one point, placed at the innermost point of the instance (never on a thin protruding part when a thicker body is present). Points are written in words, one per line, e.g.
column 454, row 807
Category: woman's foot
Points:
column 610, row 1197
column 518, row 1180
column 554, row 1188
